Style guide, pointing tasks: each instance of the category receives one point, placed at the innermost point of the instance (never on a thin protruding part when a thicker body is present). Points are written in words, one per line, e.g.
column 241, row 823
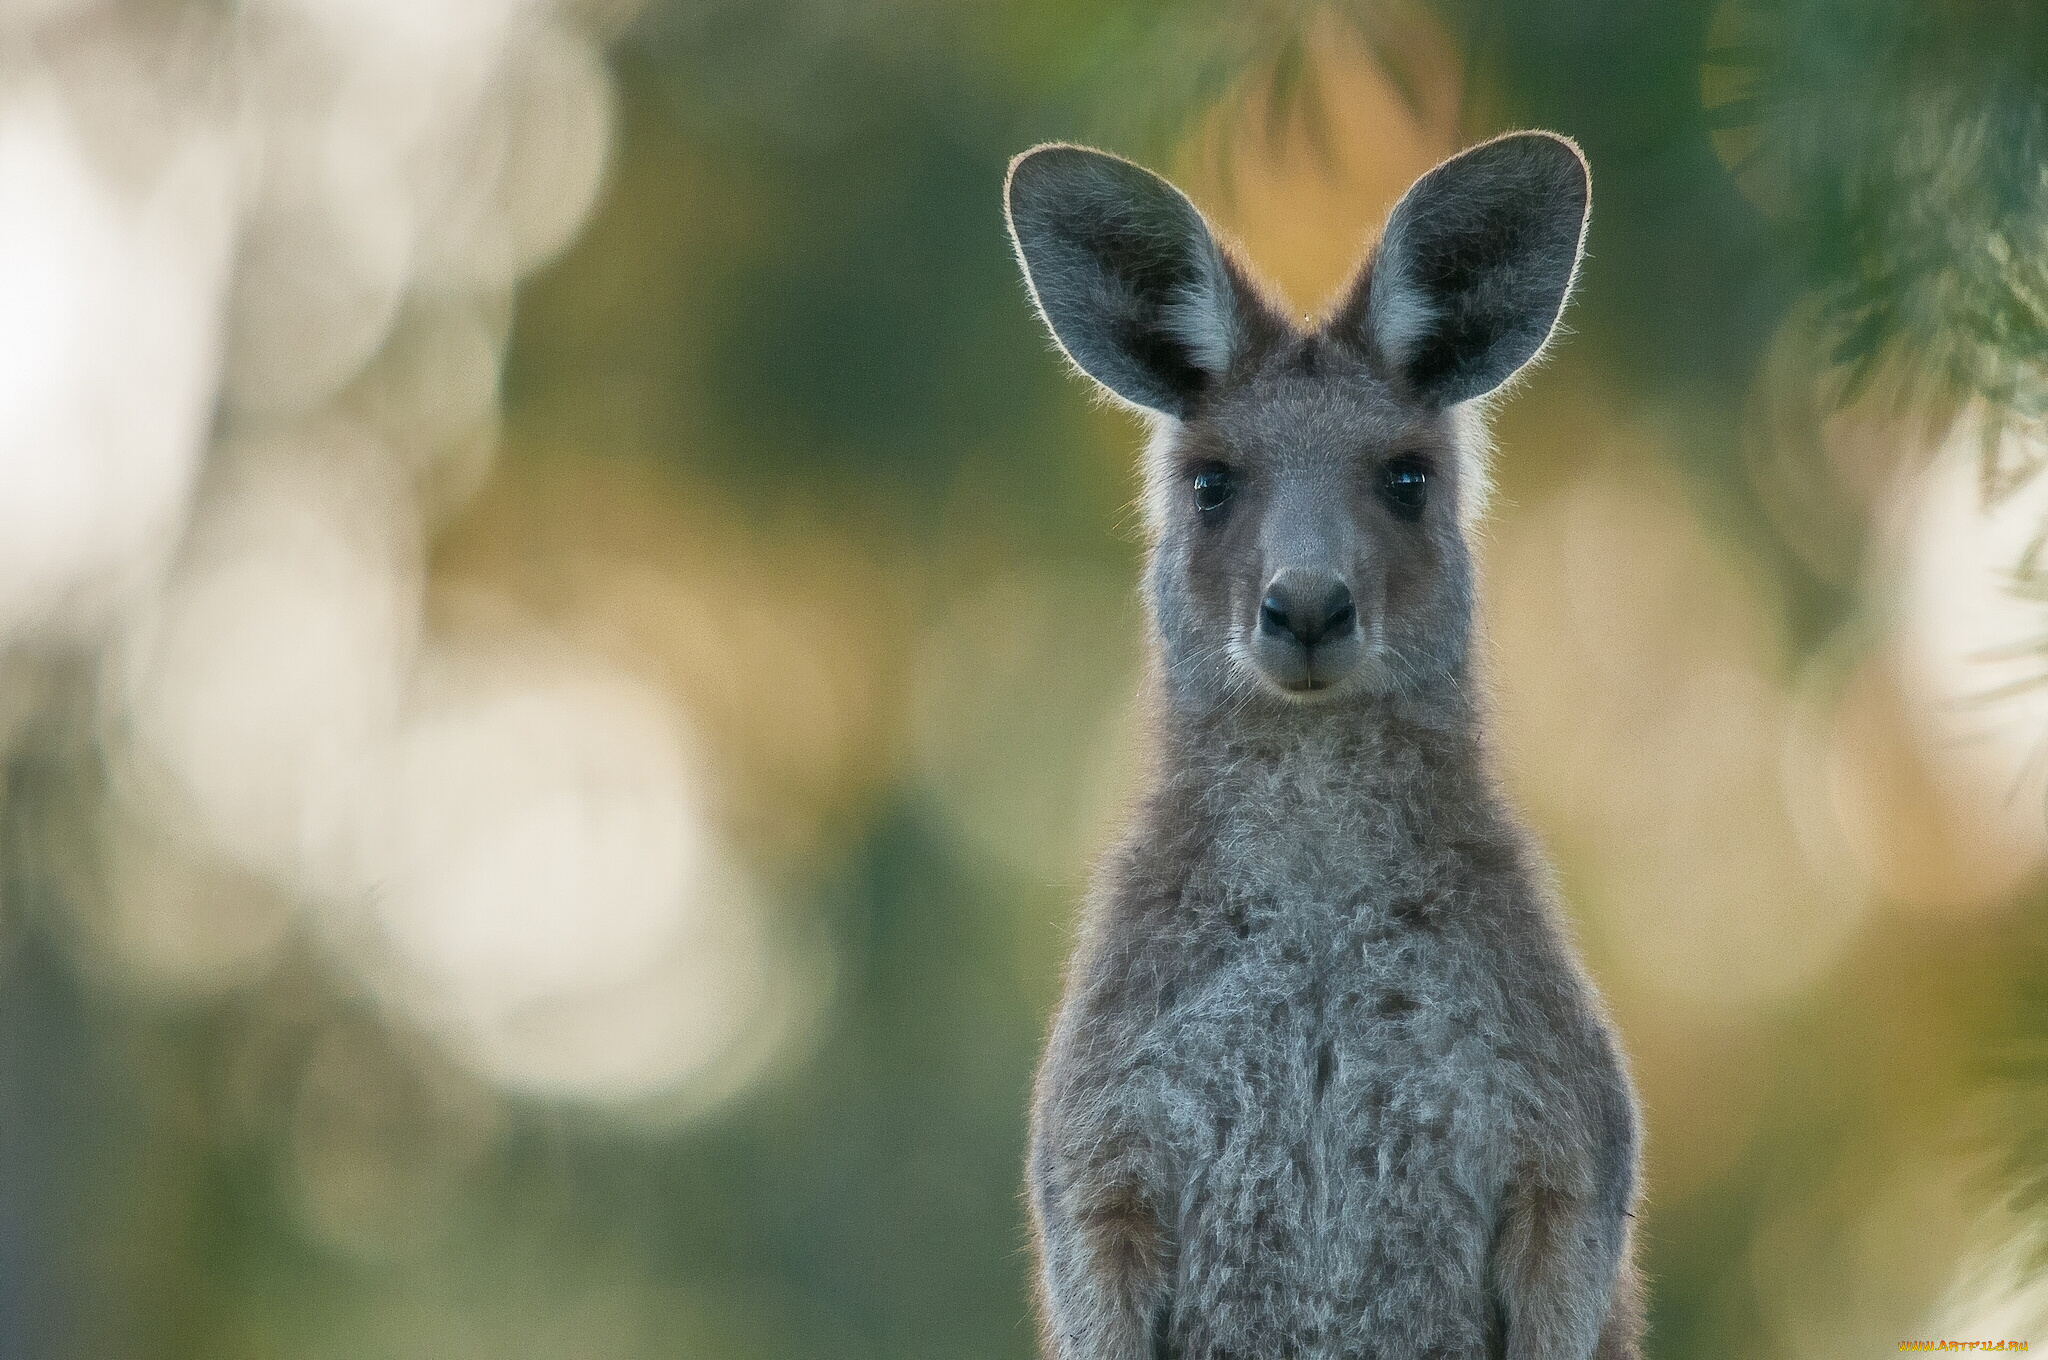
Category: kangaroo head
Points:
column 1307, row 490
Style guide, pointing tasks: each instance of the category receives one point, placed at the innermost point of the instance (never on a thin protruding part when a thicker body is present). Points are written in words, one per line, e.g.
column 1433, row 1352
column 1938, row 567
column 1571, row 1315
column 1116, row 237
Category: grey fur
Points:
column 1475, row 265
column 1132, row 284
column 1328, row 1079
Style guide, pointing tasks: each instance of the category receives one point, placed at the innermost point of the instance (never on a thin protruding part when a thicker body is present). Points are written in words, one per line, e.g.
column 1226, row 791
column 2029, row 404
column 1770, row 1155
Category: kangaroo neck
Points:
column 1328, row 764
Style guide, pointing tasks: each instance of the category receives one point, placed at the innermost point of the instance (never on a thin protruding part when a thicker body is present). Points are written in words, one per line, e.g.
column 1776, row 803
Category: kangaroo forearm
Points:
column 1103, row 1279
column 1556, row 1267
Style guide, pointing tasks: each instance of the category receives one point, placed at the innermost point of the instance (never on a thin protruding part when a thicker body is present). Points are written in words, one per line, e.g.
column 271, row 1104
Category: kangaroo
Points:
column 1328, row 1079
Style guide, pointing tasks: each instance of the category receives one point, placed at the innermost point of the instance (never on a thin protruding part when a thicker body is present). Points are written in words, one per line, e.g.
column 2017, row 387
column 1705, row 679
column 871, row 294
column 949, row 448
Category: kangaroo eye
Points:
column 1213, row 488
column 1404, row 487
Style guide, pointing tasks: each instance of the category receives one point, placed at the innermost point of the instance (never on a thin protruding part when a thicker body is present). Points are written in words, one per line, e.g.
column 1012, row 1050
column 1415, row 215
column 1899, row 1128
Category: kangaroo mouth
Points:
column 1306, row 673
column 1311, row 683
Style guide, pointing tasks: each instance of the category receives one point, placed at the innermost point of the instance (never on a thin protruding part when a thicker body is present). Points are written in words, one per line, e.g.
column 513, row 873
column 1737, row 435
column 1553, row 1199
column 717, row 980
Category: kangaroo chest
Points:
column 1334, row 1092
column 1349, row 1036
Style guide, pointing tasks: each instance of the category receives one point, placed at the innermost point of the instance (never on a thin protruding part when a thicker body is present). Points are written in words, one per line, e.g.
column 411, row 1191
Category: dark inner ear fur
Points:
column 1145, row 265
column 1128, row 277
column 1472, row 272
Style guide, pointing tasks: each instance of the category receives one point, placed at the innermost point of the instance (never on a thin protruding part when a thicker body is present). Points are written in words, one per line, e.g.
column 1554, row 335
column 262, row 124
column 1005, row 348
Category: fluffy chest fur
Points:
column 1317, row 1027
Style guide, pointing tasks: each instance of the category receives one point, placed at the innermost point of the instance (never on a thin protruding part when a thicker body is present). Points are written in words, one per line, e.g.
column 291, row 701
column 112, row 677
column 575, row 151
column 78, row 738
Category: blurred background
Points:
column 565, row 644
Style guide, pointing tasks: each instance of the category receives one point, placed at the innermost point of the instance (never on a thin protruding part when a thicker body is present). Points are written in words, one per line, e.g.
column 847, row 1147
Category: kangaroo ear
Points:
column 1473, row 269
column 1127, row 276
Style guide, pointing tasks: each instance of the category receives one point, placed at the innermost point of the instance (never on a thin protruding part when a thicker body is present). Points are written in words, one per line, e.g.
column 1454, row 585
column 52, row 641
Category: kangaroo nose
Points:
column 1310, row 607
